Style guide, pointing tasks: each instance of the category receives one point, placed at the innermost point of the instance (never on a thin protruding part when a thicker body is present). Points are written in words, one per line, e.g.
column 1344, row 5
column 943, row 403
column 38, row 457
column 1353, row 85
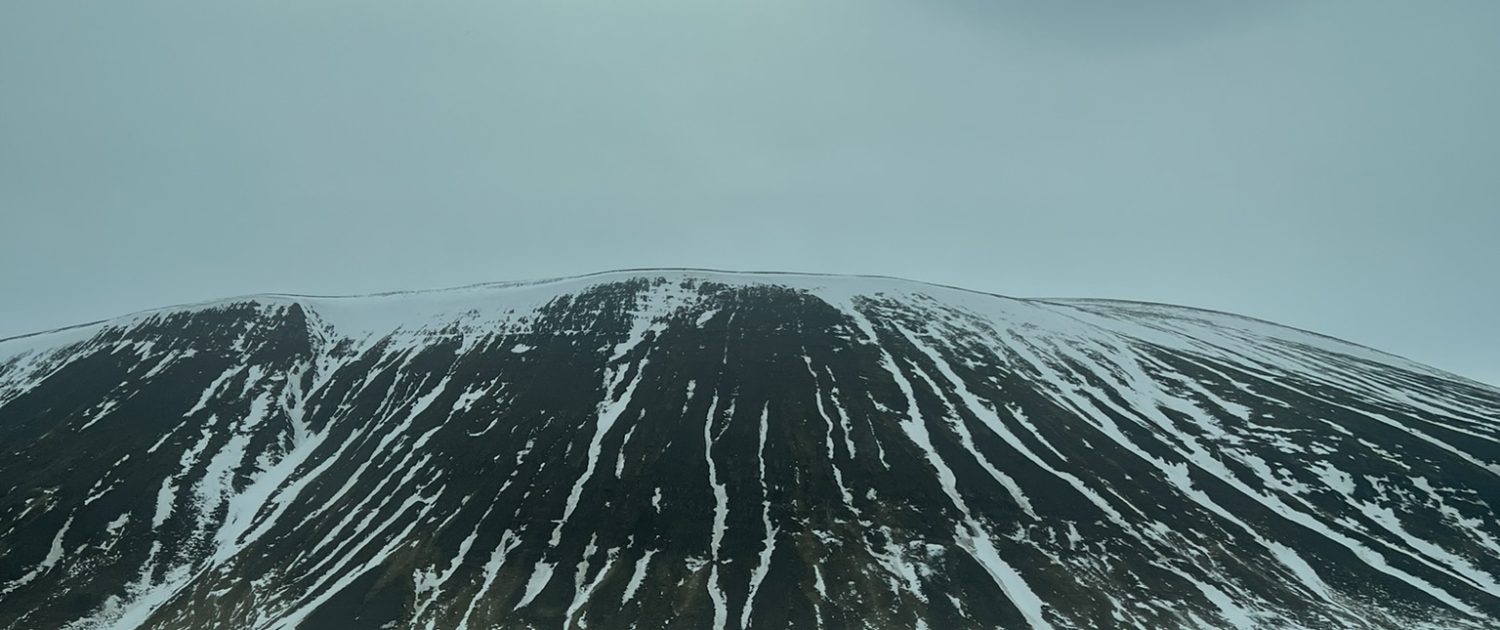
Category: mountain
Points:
column 693, row 449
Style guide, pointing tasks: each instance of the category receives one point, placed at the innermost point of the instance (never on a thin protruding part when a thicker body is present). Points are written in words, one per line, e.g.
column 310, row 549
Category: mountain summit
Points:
column 691, row 449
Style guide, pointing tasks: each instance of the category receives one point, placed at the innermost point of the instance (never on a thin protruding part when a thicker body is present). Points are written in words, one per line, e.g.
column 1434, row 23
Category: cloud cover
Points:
column 1327, row 165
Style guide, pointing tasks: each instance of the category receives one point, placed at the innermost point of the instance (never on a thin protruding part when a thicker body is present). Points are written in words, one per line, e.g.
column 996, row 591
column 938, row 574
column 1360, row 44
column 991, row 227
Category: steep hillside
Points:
column 686, row 449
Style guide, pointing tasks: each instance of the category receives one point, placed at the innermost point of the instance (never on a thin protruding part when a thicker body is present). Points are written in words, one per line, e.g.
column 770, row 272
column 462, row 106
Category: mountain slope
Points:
column 693, row 449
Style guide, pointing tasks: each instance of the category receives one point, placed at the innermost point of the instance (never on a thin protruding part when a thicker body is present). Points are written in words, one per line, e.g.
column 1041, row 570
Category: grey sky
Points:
column 1331, row 165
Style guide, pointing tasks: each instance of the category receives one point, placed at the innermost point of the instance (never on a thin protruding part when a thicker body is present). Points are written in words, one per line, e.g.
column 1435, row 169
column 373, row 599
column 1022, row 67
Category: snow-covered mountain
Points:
column 689, row 449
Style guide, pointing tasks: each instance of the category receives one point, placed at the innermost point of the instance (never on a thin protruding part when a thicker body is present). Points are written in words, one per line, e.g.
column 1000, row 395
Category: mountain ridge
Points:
column 745, row 276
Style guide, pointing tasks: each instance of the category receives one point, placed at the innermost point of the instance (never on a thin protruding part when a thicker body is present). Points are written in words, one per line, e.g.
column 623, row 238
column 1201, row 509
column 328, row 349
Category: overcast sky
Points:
column 1331, row 165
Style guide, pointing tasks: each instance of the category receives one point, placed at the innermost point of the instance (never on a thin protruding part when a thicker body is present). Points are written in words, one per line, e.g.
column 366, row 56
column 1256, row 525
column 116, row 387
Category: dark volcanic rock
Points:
column 676, row 449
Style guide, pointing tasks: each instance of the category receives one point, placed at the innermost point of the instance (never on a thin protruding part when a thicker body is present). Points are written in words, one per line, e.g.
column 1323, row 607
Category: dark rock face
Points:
column 695, row 450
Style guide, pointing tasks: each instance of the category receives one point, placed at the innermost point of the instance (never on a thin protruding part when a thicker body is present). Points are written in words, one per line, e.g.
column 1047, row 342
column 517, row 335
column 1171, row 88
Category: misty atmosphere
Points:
column 729, row 315
column 1330, row 166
